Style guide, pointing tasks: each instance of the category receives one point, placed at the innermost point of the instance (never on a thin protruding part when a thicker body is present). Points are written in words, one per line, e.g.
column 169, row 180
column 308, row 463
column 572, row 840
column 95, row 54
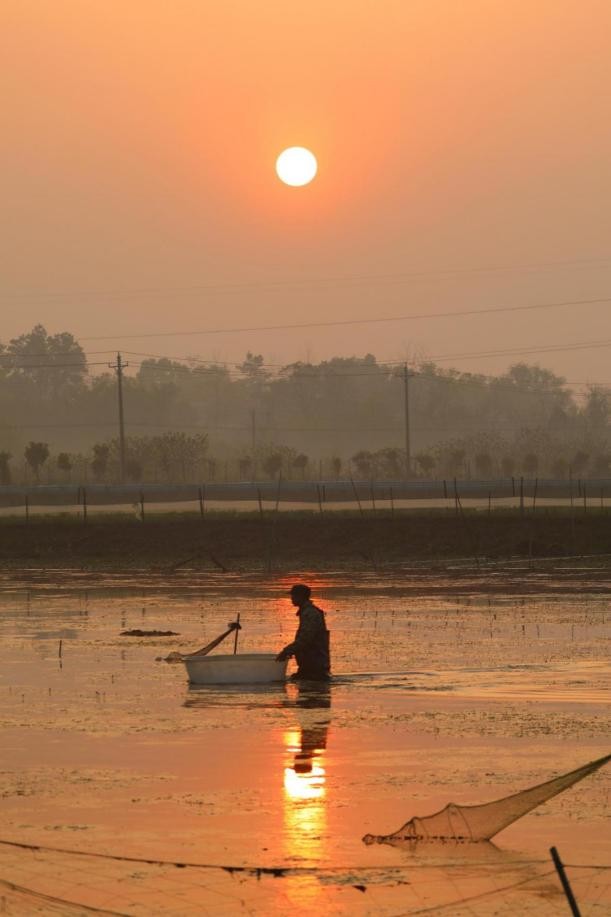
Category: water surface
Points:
column 436, row 698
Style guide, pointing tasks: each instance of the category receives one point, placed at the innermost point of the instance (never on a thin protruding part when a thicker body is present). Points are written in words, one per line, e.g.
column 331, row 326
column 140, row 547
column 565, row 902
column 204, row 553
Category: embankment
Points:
column 289, row 541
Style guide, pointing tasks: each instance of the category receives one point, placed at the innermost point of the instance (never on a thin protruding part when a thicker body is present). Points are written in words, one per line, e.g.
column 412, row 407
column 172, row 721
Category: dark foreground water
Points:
column 436, row 699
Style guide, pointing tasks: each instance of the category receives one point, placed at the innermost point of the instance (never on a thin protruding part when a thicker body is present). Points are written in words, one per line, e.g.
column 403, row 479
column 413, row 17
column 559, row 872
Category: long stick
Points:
column 356, row 494
column 466, row 525
column 568, row 891
column 210, row 646
column 237, row 631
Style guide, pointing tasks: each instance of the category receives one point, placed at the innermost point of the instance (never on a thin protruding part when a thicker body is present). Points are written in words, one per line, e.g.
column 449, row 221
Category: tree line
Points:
column 192, row 420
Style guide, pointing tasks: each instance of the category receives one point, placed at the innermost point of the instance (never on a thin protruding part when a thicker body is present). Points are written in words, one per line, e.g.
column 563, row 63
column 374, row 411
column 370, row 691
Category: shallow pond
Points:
column 437, row 698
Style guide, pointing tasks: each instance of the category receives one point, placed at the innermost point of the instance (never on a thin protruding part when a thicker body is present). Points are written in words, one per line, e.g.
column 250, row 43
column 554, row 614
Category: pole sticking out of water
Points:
column 568, row 891
column 235, row 639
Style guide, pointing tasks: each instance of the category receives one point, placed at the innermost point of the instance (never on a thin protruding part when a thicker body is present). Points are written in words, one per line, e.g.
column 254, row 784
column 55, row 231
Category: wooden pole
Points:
column 235, row 639
column 566, row 887
column 260, row 501
column 142, row 505
column 459, row 508
column 202, row 505
column 278, row 493
column 272, row 532
column 406, row 431
column 119, row 367
column 356, row 495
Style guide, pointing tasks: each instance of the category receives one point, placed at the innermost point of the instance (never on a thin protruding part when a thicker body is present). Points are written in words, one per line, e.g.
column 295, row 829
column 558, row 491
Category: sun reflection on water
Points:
column 305, row 780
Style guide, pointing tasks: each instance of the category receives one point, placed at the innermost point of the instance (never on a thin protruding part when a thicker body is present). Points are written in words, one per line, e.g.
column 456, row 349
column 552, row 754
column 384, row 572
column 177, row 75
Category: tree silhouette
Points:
column 301, row 462
column 36, row 454
column 64, row 463
column 5, row 468
column 272, row 464
column 579, row 462
column 363, row 461
column 426, row 463
column 99, row 465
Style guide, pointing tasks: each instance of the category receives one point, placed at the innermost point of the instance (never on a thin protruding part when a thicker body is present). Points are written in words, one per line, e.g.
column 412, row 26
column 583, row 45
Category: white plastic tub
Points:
column 244, row 668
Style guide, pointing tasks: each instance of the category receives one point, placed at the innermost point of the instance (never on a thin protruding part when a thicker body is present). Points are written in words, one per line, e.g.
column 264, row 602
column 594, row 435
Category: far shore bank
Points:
column 259, row 543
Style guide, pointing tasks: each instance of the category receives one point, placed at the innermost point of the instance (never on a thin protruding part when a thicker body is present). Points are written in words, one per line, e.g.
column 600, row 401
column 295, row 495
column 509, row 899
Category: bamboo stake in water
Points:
column 568, row 891
column 237, row 631
column 356, row 495
column 260, row 502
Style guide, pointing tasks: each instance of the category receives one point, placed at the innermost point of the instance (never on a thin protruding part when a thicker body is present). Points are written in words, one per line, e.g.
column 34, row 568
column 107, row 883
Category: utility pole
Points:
column 119, row 366
column 408, row 459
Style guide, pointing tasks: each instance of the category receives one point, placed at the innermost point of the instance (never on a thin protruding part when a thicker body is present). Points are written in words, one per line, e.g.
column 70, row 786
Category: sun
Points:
column 296, row 166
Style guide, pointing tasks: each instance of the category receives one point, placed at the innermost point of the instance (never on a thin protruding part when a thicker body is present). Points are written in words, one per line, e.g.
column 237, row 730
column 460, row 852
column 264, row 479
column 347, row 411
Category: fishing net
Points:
column 481, row 823
column 47, row 880
column 464, row 880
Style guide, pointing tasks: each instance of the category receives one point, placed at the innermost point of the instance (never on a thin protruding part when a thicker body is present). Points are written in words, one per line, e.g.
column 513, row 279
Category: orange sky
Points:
column 137, row 158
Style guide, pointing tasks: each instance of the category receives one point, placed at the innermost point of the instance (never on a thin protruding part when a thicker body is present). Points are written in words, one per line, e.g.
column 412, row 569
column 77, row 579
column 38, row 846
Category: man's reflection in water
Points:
column 305, row 779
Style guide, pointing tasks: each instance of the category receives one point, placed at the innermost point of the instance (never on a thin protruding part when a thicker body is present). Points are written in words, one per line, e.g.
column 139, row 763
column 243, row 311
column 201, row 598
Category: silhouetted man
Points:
column 311, row 644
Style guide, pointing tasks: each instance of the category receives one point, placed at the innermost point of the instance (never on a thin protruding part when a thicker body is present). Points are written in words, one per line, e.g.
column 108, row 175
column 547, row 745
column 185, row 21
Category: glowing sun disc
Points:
column 296, row 166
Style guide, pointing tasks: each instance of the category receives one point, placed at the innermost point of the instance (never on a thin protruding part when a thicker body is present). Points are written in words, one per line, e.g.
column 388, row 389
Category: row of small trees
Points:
column 172, row 458
column 178, row 457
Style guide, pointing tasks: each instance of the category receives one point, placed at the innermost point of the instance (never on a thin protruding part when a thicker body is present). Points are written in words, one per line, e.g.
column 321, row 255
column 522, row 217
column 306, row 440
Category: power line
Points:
column 352, row 321
column 385, row 278
column 213, row 366
column 11, row 355
column 549, row 348
column 270, row 428
column 83, row 364
column 377, row 373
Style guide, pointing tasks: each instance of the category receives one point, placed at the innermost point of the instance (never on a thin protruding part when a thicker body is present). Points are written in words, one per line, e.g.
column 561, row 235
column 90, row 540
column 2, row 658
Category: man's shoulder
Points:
column 311, row 611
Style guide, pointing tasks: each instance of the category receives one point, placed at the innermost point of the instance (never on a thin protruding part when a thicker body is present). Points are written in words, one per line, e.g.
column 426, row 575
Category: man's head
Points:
column 300, row 594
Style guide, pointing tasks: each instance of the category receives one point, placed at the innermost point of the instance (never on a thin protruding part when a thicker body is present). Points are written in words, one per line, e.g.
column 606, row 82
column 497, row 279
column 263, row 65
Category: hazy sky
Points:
column 453, row 136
